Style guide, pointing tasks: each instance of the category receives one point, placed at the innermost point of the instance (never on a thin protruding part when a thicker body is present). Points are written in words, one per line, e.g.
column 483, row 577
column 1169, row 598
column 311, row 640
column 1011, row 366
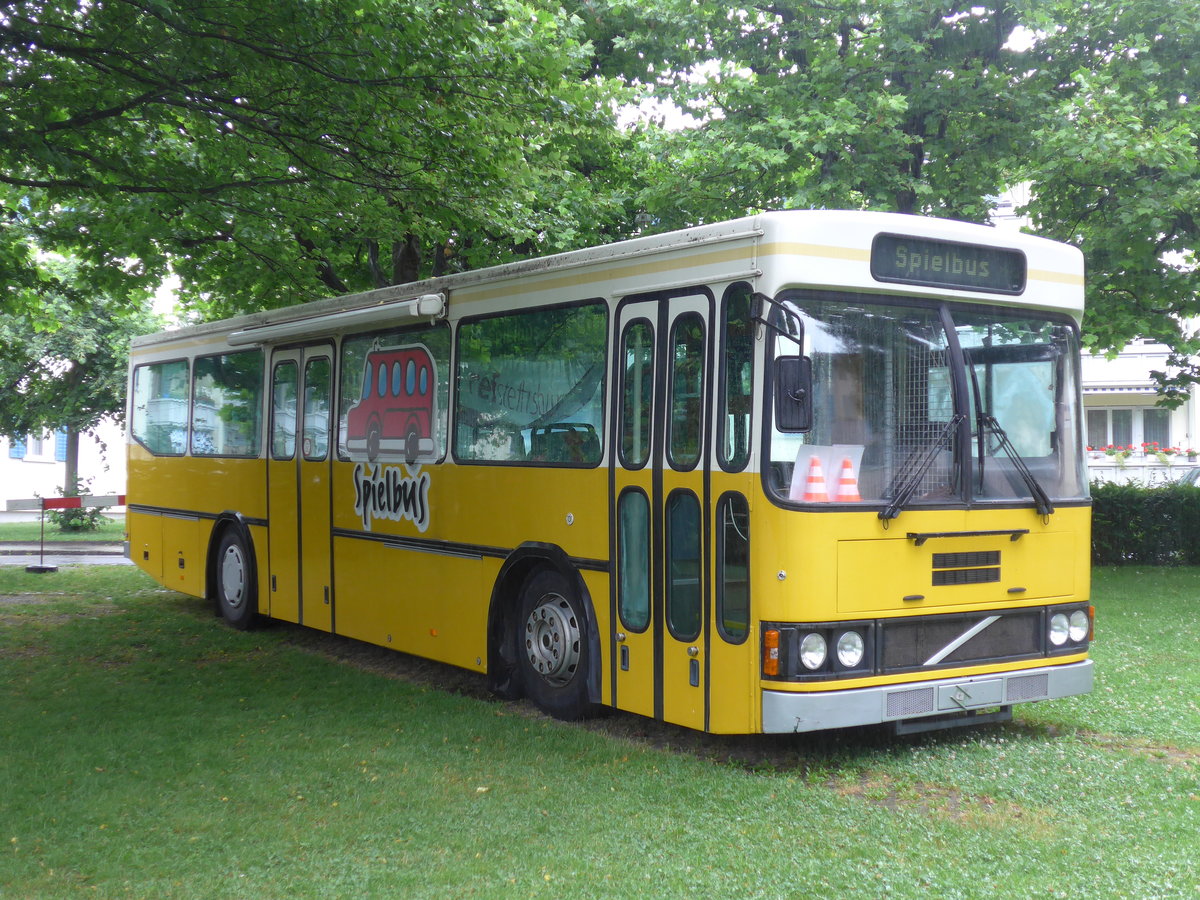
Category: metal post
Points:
column 41, row 567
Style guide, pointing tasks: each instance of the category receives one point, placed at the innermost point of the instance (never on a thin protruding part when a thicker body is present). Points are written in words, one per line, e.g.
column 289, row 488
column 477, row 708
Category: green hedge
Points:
column 1137, row 525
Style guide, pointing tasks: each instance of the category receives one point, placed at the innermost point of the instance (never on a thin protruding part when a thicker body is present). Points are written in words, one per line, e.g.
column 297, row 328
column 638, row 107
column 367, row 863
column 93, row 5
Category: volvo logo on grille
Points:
column 960, row 640
column 961, row 697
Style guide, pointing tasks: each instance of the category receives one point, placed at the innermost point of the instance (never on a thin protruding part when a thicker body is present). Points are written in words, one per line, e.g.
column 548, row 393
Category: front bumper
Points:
column 785, row 711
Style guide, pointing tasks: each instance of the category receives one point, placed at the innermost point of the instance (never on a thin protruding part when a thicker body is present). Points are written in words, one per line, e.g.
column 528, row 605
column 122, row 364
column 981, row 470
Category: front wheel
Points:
column 552, row 646
column 236, row 588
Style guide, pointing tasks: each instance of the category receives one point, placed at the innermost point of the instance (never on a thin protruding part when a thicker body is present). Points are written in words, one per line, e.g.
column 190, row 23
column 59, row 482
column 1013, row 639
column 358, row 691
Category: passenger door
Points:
column 660, row 504
column 299, row 486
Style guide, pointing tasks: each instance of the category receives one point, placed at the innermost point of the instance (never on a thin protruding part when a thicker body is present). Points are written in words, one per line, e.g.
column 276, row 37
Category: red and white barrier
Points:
column 41, row 504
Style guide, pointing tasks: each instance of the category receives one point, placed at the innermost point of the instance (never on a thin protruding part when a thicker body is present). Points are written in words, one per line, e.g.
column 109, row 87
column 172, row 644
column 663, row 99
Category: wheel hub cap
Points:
column 552, row 639
column 233, row 577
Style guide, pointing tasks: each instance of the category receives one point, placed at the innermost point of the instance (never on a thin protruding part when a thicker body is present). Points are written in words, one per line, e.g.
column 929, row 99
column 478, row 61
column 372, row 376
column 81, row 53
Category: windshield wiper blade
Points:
column 909, row 478
column 1040, row 498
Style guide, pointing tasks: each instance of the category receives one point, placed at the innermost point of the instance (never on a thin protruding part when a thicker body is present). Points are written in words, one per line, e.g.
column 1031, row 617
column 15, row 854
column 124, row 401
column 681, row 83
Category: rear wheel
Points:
column 236, row 590
column 552, row 646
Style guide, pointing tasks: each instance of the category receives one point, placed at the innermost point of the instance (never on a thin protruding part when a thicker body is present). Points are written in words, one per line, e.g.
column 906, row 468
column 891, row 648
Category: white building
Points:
column 1118, row 400
column 36, row 467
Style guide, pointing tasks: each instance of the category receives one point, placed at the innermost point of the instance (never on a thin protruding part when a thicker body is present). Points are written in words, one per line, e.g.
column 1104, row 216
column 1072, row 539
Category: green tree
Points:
column 935, row 108
column 1117, row 170
column 63, row 361
column 893, row 105
column 272, row 153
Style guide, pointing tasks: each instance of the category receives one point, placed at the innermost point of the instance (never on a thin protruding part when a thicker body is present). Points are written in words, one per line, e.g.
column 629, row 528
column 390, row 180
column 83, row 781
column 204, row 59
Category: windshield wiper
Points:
column 909, row 479
column 1040, row 498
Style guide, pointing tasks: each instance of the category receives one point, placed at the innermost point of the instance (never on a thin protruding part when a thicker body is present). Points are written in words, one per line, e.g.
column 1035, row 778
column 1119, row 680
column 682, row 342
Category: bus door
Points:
column 661, row 507
column 298, row 474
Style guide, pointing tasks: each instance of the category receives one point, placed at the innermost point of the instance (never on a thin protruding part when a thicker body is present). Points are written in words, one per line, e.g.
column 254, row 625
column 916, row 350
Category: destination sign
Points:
column 910, row 260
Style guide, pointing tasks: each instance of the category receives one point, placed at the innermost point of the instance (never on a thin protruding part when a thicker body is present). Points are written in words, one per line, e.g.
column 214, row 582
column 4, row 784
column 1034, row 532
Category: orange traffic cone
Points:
column 847, row 487
column 814, row 489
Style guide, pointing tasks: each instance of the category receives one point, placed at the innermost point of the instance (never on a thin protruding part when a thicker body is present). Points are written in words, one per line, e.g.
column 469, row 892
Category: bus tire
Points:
column 236, row 588
column 552, row 646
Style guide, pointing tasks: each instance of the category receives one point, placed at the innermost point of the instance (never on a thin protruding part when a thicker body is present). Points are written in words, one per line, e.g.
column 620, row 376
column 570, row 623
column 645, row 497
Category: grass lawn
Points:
column 148, row 751
column 110, row 530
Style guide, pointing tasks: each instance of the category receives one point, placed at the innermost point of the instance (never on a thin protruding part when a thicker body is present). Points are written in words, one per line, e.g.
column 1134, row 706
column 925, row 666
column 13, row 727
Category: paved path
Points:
column 63, row 553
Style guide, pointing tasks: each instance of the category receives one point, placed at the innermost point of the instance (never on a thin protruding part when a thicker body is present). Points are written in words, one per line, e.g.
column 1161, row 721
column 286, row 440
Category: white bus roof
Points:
column 776, row 250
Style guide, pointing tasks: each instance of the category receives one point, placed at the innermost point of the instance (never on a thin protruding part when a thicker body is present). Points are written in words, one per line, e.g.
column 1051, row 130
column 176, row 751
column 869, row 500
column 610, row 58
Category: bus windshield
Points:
column 928, row 405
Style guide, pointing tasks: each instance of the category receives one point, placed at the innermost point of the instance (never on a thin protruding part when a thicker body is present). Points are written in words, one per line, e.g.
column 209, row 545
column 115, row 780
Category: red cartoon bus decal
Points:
column 395, row 415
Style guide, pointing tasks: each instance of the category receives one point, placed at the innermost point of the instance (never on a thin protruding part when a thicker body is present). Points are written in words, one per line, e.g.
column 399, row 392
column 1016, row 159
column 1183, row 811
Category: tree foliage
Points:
column 272, row 153
column 62, row 361
column 276, row 152
column 1116, row 170
column 936, row 108
column 894, row 105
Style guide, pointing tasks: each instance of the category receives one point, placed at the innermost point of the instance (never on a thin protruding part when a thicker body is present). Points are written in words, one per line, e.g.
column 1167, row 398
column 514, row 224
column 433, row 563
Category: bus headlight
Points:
column 817, row 651
column 850, row 649
column 1079, row 626
column 813, row 651
column 1060, row 629
column 1068, row 629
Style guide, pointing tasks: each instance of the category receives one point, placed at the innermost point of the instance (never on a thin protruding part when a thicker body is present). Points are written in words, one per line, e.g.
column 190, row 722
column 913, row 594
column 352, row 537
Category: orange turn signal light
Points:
column 770, row 652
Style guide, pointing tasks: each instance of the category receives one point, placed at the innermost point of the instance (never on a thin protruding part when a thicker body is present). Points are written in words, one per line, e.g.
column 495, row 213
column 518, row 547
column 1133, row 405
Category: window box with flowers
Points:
column 1166, row 455
column 1116, row 452
column 1149, row 450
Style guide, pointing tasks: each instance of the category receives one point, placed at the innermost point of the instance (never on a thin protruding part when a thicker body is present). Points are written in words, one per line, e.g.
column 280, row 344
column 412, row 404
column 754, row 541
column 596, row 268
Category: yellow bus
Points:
column 798, row 471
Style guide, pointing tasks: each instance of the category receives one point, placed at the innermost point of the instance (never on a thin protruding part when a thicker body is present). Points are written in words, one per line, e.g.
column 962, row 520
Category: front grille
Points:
column 1028, row 687
column 907, row 644
column 966, row 576
column 910, row 703
column 966, row 560
column 972, row 567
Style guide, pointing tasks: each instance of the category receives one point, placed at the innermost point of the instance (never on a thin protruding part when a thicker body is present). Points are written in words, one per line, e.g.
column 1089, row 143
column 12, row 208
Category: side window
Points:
column 378, row 415
column 737, row 377
column 633, row 560
column 530, row 387
column 684, row 565
column 733, row 568
column 685, row 437
column 159, row 418
column 227, row 404
column 283, row 411
column 317, row 379
column 637, row 392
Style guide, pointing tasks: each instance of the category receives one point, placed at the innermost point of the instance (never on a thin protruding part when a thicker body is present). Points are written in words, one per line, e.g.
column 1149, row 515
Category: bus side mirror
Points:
column 793, row 393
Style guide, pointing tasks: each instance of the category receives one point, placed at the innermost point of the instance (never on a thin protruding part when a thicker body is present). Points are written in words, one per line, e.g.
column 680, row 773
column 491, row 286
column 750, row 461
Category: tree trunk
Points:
column 406, row 259
column 377, row 278
column 71, row 477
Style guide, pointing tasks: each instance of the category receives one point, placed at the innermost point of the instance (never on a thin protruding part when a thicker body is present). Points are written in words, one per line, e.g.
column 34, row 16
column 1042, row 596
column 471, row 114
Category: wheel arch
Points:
column 503, row 674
